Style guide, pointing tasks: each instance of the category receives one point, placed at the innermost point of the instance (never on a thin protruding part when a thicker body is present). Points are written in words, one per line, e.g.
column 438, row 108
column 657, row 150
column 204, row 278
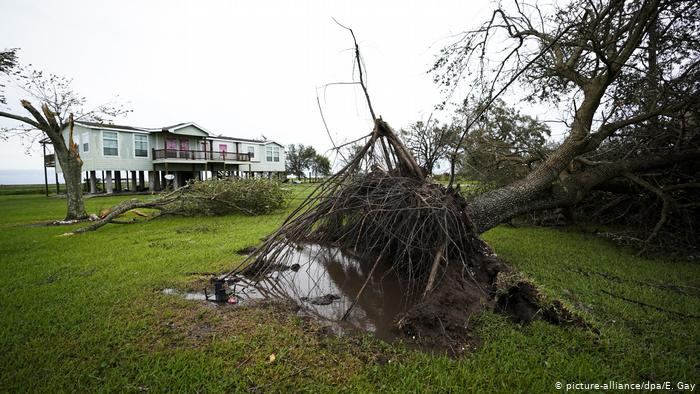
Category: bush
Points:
column 215, row 197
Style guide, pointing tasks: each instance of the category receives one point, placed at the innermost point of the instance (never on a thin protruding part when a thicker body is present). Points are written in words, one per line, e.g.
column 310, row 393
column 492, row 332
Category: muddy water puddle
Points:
column 188, row 296
column 325, row 282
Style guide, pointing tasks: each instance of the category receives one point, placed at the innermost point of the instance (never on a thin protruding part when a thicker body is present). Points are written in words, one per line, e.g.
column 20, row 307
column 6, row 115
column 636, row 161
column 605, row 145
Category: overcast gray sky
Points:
column 238, row 68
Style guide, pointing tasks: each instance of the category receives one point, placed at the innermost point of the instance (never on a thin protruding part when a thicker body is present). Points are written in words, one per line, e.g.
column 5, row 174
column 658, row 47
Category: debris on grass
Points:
column 211, row 197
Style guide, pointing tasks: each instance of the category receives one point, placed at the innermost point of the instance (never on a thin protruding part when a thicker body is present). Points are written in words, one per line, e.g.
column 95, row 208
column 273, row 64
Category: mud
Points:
column 324, row 282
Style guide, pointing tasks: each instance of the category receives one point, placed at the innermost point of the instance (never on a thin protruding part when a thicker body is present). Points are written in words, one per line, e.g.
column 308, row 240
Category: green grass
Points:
column 8, row 190
column 85, row 313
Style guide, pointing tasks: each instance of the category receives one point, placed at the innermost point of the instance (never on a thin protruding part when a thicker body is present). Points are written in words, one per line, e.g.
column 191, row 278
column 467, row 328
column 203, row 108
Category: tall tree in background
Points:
column 503, row 146
column 320, row 165
column 621, row 67
column 429, row 142
column 59, row 106
column 299, row 159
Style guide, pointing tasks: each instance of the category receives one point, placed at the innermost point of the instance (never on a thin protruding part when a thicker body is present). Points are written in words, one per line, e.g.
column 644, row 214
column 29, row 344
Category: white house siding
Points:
column 256, row 147
column 94, row 159
column 264, row 165
column 157, row 141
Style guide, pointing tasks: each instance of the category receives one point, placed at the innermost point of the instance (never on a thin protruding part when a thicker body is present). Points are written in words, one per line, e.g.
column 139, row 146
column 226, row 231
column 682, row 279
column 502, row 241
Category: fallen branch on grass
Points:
column 212, row 197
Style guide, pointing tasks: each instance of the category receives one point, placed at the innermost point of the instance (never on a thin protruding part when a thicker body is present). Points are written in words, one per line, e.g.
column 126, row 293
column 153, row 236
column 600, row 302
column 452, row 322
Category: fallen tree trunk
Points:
column 204, row 198
column 118, row 210
column 539, row 190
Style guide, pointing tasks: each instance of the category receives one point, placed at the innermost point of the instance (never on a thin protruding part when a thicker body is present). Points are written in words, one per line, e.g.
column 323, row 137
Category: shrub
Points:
column 214, row 197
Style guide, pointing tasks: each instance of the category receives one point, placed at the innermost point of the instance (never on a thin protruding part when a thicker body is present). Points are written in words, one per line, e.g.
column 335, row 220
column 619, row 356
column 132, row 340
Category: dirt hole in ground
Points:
column 324, row 282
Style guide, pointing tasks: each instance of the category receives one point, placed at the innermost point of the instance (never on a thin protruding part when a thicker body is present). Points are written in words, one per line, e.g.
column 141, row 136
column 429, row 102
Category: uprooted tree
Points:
column 60, row 106
column 627, row 70
column 383, row 208
column 380, row 206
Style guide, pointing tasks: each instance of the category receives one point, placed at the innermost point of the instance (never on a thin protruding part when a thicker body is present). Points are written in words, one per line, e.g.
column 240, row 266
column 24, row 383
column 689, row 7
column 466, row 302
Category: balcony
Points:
column 201, row 155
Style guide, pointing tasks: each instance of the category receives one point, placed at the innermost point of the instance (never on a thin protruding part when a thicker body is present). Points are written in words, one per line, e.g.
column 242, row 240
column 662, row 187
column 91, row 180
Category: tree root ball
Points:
column 443, row 319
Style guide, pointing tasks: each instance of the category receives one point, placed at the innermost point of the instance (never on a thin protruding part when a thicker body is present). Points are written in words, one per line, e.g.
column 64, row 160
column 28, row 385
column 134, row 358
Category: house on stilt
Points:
column 141, row 159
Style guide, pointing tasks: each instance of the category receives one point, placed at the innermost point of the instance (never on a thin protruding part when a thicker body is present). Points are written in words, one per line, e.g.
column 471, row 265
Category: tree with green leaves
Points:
column 621, row 68
column 503, row 145
column 320, row 165
column 8, row 63
column 429, row 142
column 299, row 159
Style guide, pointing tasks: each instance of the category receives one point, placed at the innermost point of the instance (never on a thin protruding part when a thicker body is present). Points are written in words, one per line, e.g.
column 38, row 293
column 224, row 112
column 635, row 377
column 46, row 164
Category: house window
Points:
column 272, row 153
column 85, row 141
column 110, row 143
column 251, row 152
column 140, row 145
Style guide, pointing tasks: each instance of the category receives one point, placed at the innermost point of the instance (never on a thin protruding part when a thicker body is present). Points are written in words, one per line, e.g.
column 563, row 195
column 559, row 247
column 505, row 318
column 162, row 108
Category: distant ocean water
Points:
column 27, row 177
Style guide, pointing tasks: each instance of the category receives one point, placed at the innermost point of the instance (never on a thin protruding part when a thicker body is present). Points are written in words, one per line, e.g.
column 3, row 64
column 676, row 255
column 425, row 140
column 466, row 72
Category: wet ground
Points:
column 325, row 282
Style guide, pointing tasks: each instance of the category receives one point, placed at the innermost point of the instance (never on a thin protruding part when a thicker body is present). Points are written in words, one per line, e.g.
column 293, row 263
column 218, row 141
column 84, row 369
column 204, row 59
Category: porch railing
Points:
column 199, row 155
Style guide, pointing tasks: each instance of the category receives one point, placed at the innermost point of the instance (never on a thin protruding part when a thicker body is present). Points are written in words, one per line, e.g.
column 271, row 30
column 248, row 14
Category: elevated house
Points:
column 169, row 155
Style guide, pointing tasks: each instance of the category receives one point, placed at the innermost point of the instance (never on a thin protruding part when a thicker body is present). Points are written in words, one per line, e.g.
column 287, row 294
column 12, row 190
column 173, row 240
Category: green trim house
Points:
column 168, row 155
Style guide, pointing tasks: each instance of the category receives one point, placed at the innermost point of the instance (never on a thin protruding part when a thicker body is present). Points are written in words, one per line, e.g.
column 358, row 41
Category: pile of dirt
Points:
column 443, row 319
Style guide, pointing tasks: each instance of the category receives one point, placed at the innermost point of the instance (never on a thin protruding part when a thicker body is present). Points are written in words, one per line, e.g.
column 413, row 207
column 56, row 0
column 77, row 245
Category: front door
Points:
column 222, row 149
column 171, row 148
column 184, row 148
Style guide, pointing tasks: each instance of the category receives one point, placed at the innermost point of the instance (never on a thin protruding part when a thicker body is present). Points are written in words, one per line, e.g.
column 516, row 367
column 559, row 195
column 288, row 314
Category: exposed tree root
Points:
column 381, row 206
column 443, row 320
column 420, row 230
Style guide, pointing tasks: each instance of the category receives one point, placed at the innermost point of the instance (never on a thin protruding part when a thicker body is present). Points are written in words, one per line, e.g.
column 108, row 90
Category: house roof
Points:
column 96, row 125
column 224, row 137
column 174, row 126
column 263, row 142
column 187, row 124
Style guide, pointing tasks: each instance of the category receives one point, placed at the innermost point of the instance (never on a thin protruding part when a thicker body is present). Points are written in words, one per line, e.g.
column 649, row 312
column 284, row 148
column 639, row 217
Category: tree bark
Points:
column 72, row 172
column 539, row 192
column 66, row 152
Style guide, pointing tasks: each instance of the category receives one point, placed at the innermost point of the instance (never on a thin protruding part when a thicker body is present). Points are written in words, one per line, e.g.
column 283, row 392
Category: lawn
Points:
column 86, row 313
column 6, row 190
